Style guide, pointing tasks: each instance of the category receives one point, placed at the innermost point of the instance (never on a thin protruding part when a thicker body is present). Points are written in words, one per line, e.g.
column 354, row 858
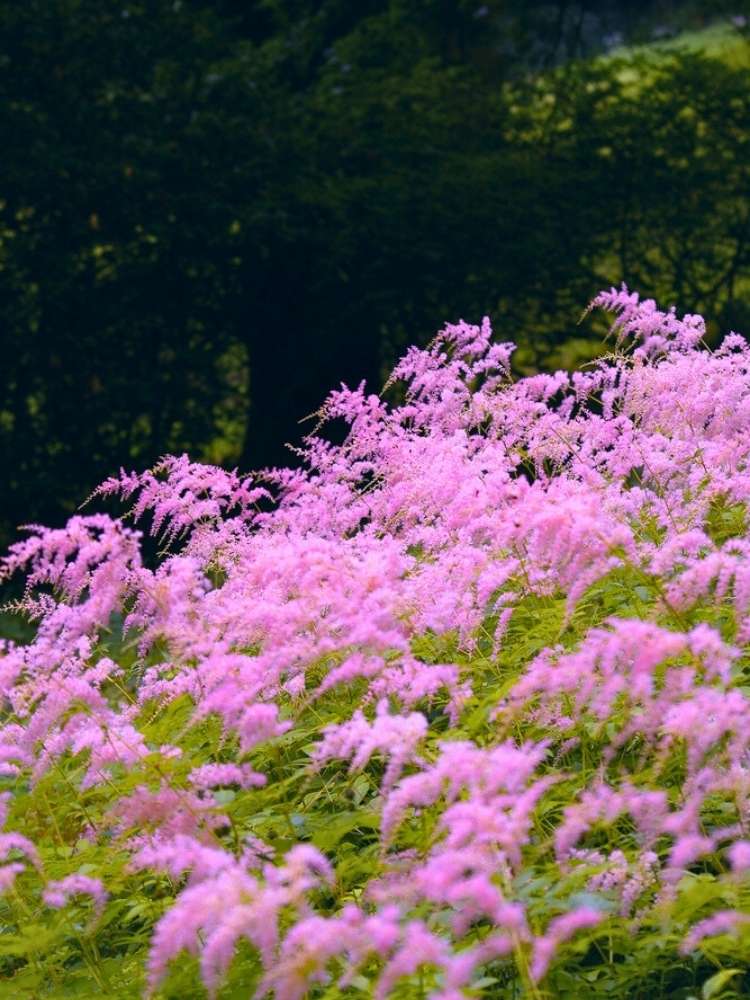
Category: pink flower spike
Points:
column 57, row 894
column 561, row 929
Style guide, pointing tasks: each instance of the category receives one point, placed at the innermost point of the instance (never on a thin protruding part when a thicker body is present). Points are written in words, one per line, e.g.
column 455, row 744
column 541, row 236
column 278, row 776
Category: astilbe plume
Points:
column 502, row 625
column 57, row 894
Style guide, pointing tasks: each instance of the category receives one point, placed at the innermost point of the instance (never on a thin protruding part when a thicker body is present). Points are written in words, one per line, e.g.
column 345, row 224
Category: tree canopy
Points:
column 210, row 214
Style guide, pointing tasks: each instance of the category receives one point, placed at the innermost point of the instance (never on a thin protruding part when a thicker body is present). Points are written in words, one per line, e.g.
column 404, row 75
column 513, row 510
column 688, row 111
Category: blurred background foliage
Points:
column 213, row 212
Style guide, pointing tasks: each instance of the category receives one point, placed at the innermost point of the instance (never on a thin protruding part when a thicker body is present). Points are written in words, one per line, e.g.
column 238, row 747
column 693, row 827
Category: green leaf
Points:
column 712, row 986
column 332, row 832
column 11, row 944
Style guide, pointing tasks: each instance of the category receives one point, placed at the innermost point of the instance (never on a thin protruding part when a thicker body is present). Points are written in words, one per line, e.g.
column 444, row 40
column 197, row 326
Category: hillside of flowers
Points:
column 459, row 708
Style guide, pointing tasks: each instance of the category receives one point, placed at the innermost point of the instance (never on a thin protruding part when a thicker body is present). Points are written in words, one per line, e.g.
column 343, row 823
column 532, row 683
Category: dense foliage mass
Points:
column 459, row 709
column 171, row 168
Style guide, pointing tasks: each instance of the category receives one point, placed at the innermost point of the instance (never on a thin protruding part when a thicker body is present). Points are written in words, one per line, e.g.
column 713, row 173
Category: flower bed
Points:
column 459, row 709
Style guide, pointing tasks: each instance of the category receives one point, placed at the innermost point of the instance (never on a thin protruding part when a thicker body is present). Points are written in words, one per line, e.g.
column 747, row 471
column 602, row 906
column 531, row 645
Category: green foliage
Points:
column 210, row 213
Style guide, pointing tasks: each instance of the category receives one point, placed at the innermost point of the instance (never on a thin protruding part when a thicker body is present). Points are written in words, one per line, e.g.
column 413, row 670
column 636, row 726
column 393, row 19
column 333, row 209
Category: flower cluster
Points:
column 450, row 706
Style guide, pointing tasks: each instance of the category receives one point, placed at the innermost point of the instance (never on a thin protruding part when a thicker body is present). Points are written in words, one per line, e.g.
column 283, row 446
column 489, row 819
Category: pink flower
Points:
column 723, row 922
column 396, row 737
column 739, row 855
column 57, row 894
column 560, row 930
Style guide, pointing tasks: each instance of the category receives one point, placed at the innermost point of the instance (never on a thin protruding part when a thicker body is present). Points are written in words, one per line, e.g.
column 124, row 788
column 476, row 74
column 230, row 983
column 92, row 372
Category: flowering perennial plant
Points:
column 460, row 708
